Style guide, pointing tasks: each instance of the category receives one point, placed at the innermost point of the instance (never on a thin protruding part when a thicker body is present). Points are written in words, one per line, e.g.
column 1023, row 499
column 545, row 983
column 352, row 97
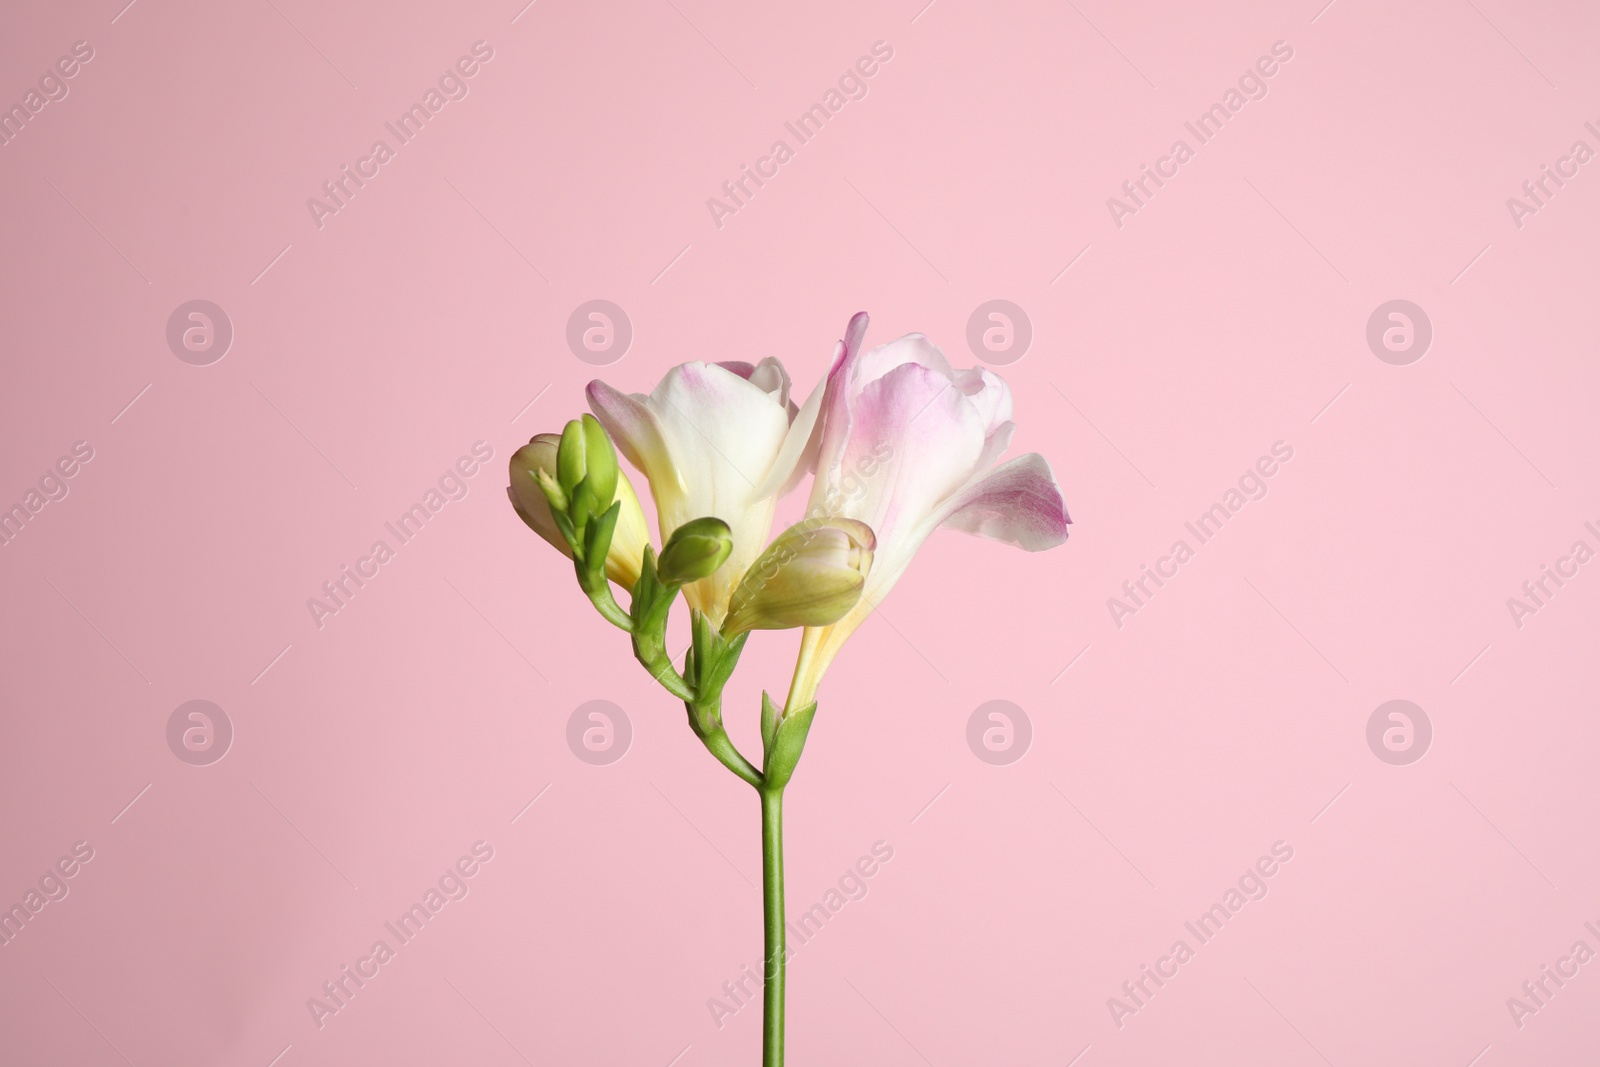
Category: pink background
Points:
column 1227, row 314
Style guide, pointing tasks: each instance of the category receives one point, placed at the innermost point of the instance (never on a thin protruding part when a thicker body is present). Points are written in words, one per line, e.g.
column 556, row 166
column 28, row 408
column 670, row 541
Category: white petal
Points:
column 637, row 434
column 724, row 435
column 721, row 429
column 988, row 393
column 768, row 376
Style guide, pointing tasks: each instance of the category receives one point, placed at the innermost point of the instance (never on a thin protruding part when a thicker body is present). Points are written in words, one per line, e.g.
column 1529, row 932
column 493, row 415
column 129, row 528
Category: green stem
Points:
column 611, row 610
column 650, row 649
column 772, row 899
column 598, row 589
column 721, row 746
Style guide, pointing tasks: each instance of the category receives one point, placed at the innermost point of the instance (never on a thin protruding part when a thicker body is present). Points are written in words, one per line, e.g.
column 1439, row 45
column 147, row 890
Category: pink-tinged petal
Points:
column 912, row 348
column 803, row 445
column 833, row 428
column 1017, row 502
column 637, row 434
column 855, row 332
column 858, row 370
column 914, row 440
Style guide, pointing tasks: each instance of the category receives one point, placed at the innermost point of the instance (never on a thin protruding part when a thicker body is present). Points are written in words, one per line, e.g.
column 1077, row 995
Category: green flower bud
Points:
column 533, row 489
column 695, row 551
column 811, row 575
column 586, row 455
column 570, row 459
column 601, row 459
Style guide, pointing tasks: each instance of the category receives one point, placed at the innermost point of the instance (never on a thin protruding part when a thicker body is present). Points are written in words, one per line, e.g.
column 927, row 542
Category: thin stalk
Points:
column 772, row 900
column 721, row 746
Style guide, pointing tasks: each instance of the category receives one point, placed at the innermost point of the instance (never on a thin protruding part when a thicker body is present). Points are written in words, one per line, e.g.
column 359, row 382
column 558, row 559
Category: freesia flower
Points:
column 906, row 444
column 710, row 438
column 901, row 444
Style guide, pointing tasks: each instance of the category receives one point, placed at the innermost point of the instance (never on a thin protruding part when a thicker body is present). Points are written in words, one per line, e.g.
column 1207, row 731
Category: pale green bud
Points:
column 811, row 575
column 570, row 465
column 695, row 551
column 585, row 455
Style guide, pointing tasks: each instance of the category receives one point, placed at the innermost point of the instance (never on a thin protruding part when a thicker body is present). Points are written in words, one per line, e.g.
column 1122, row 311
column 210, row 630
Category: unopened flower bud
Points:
column 539, row 458
column 811, row 575
column 585, row 455
column 694, row 551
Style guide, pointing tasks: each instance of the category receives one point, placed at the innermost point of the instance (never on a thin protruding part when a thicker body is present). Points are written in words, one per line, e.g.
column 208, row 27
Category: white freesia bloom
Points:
column 710, row 438
column 906, row 444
